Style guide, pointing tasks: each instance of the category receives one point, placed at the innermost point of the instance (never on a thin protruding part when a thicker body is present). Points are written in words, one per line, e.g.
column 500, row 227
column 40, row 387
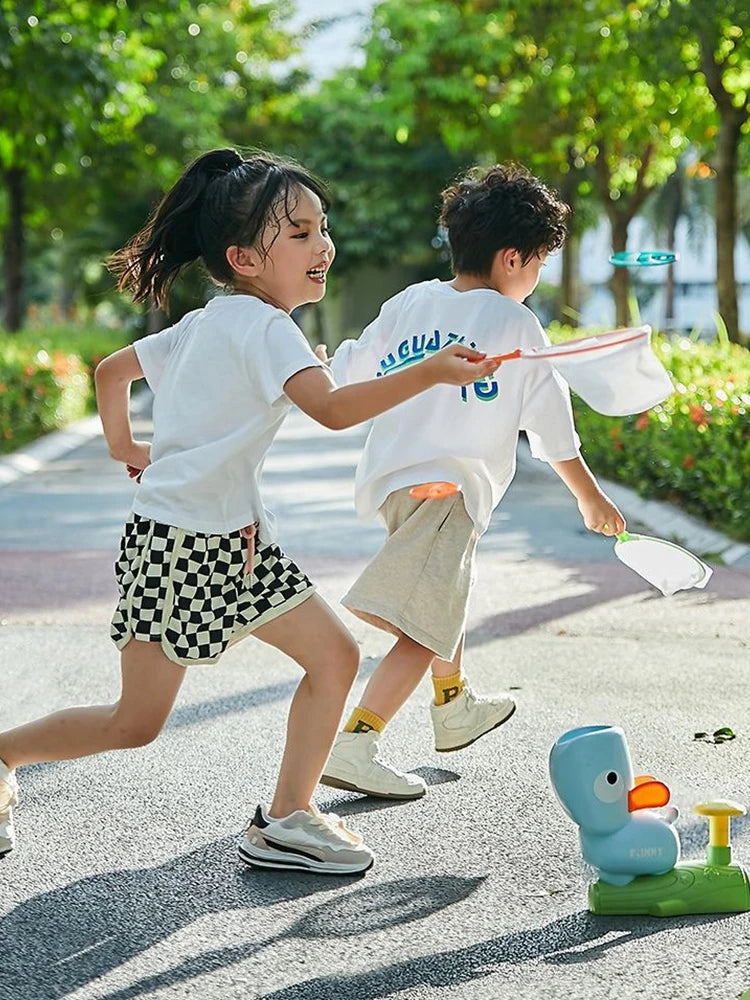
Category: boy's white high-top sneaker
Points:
column 8, row 799
column 467, row 717
column 354, row 764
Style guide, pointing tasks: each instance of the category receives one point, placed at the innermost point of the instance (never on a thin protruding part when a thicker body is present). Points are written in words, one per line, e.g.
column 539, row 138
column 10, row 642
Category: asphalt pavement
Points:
column 126, row 882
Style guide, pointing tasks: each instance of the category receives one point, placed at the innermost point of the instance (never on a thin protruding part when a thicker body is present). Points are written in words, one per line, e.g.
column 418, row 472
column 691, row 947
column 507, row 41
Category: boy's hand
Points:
column 601, row 515
column 459, row 365
column 321, row 353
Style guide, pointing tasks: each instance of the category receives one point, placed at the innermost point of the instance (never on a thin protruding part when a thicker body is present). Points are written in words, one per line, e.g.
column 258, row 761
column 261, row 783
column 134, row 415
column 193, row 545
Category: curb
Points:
column 662, row 518
column 58, row 443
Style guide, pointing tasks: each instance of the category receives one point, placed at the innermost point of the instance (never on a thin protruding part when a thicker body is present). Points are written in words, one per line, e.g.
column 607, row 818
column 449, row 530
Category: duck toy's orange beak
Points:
column 648, row 793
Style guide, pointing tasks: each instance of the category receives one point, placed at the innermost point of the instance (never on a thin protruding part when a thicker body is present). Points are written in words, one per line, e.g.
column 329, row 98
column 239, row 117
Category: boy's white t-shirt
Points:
column 218, row 380
column 469, row 434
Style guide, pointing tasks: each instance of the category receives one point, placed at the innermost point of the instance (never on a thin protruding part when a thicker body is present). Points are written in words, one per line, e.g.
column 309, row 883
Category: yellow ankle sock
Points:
column 362, row 720
column 448, row 688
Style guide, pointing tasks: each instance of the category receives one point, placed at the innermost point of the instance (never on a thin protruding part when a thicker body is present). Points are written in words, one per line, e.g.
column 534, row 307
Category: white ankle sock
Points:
column 273, row 819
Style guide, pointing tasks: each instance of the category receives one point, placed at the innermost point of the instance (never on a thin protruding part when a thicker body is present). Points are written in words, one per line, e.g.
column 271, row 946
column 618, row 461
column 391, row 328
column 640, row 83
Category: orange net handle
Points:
column 499, row 358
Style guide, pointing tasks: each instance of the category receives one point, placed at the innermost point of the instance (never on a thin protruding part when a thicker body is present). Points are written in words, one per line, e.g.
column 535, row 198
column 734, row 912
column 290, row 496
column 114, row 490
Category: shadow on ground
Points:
column 59, row 941
column 605, row 582
column 578, row 937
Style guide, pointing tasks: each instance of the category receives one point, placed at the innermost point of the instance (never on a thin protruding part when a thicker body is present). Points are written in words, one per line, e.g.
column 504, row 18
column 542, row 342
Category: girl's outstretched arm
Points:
column 113, row 378
column 315, row 392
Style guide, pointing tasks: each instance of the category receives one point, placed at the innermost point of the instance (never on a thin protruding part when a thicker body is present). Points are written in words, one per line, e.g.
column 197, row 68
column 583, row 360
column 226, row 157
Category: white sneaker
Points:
column 304, row 841
column 467, row 717
column 354, row 764
column 8, row 799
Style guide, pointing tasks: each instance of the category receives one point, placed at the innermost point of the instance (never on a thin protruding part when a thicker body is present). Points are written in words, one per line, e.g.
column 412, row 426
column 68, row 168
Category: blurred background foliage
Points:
column 102, row 105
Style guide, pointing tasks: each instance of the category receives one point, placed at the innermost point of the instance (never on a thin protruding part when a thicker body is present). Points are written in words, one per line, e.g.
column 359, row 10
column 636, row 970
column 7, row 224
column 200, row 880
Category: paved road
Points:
column 126, row 884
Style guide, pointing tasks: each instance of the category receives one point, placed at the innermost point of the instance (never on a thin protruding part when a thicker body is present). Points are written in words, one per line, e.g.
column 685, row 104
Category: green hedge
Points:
column 87, row 342
column 46, row 379
column 693, row 449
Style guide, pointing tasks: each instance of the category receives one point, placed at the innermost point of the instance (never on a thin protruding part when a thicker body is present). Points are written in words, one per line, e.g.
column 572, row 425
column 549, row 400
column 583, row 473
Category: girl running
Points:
column 199, row 567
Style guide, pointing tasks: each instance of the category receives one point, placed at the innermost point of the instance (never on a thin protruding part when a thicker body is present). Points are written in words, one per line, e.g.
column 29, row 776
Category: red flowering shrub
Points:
column 46, row 379
column 693, row 449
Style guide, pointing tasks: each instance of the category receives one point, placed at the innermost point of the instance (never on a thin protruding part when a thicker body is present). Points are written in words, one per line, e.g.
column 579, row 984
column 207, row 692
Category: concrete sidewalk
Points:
column 126, row 883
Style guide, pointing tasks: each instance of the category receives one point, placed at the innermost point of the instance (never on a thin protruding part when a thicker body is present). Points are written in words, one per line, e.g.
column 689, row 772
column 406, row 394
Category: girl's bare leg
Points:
column 322, row 645
column 150, row 683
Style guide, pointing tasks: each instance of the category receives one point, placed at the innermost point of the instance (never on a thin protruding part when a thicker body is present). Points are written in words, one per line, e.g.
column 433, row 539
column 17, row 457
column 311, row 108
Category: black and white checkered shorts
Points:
column 190, row 592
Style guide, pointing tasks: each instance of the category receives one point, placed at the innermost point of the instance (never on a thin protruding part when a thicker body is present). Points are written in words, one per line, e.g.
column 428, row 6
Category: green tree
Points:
column 219, row 81
column 571, row 90
column 68, row 69
column 123, row 95
column 713, row 40
column 386, row 189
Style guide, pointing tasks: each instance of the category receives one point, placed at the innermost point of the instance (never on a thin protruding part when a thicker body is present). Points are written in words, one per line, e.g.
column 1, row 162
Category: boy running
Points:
column 501, row 224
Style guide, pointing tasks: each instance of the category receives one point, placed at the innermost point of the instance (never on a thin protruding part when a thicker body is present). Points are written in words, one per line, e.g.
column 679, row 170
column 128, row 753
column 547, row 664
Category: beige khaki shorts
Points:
column 419, row 582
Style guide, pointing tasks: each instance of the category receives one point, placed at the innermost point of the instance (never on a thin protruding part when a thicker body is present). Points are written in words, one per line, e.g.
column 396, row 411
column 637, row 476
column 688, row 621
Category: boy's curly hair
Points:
column 503, row 207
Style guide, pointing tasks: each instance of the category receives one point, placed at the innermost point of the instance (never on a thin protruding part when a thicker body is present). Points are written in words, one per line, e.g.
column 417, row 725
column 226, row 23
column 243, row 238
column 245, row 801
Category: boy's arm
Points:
column 113, row 378
column 597, row 510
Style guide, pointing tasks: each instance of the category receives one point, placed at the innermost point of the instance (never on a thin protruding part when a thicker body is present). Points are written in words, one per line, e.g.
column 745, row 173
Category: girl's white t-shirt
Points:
column 218, row 380
column 469, row 434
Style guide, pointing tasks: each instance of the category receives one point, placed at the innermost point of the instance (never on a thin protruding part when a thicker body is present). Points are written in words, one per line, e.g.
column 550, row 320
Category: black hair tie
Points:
column 221, row 161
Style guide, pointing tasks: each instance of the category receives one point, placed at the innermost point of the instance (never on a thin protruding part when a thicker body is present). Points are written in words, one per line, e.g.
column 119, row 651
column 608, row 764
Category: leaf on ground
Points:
column 723, row 735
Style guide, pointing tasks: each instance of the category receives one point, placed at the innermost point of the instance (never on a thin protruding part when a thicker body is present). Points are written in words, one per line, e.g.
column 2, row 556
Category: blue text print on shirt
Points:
column 416, row 348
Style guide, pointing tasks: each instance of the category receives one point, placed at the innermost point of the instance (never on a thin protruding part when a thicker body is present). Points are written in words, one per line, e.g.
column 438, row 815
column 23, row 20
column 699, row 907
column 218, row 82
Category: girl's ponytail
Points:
column 149, row 263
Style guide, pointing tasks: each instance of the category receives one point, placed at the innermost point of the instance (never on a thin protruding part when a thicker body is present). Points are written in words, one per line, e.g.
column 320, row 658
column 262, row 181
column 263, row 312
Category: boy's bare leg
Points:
column 445, row 668
column 396, row 677
column 322, row 645
column 150, row 682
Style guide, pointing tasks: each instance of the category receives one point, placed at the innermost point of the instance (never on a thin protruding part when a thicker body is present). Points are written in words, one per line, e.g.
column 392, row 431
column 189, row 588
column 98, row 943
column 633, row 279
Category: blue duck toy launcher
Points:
column 635, row 850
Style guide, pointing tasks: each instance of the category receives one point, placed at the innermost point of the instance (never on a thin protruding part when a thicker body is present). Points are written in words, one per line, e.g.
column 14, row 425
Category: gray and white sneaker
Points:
column 8, row 799
column 304, row 841
column 467, row 717
column 355, row 764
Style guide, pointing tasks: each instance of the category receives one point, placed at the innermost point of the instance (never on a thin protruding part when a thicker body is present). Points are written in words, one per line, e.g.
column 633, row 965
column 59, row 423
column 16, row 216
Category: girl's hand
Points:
column 321, row 353
column 459, row 365
column 601, row 515
column 137, row 458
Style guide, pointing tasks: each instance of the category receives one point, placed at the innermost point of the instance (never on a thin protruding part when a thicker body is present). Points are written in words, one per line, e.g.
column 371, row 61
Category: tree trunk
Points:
column 669, row 287
column 725, row 163
column 568, row 306
column 570, row 301
column 620, row 215
column 621, row 277
column 67, row 297
column 731, row 120
column 13, row 250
